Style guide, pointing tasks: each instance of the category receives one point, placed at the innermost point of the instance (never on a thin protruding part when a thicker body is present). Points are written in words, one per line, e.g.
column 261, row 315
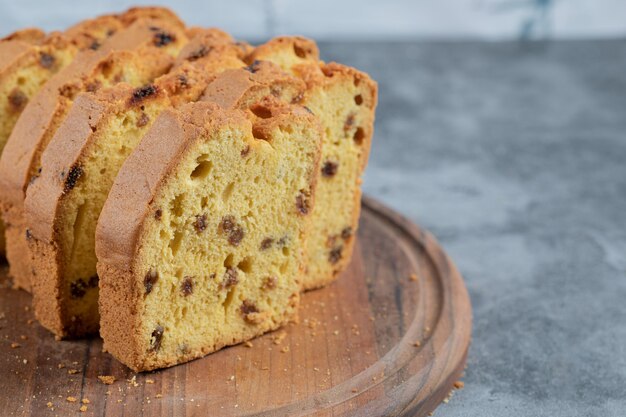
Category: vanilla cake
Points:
column 201, row 241
column 30, row 58
column 344, row 99
column 136, row 55
column 99, row 132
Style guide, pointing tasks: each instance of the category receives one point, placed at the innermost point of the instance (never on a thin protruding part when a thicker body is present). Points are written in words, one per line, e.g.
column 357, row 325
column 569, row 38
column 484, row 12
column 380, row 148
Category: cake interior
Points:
column 224, row 239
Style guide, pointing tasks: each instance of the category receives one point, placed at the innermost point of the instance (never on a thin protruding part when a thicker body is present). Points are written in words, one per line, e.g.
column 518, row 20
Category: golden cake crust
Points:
column 28, row 35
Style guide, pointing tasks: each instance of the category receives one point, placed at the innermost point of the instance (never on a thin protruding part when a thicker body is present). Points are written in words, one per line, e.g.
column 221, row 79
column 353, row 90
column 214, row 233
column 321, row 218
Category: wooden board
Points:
column 354, row 352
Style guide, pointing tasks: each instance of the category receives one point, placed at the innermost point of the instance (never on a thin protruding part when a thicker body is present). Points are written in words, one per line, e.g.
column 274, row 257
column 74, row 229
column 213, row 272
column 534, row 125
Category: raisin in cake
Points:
column 200, row 242
column 136, row 55
column 100, row 131
column 344, row 100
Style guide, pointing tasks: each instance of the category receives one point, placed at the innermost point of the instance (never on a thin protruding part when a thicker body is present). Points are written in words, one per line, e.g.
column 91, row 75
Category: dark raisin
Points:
column 29, row 234
column 230, row 278
column 78, row 288
column 236, row 236
column 254, row 67
column 46, row 60
column 349, row 122
column 156, row 339
column 358, row 99
column 143, row 120
column 302, row 203
column 17, row 99
column 359, row 135
column 199, row 53
column 212, row 276
column 72, row 177
column 183, row 81
column 248, row 307
column 93, row 281
column 335, row 255
column 150, row 279
column 187, row 286
column 233, row 231
column 329, row 169
column 163, row 38
column 227, row 224
column 200, row 224
column 267, row 243
column 158, row 214
column 346, row 233
column 95, row 45
column 142, row 93
column 245, row 151
column 269, row 283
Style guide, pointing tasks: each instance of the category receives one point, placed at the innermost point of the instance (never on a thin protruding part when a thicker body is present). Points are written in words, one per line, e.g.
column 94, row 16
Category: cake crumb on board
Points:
column 106, row 379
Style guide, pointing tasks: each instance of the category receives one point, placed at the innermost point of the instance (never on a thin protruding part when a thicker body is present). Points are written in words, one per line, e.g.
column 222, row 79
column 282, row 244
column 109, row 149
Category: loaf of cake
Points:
column 136, row 55
column 344, row 100
column 100, row 131
column 30, row 58
column 200, row 243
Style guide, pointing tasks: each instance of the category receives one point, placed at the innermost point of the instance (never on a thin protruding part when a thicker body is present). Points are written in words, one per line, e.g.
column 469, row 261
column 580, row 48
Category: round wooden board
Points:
column 376, row 342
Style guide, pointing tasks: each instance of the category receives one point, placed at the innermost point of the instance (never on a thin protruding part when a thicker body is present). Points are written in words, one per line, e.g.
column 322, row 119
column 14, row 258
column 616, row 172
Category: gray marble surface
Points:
column 514, row 157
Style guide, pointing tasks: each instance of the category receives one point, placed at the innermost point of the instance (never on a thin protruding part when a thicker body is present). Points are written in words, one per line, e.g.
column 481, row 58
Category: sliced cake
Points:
column 30, row 59
column 344, row 100
column 201, row 239
column 135, row 55
column 100, row 131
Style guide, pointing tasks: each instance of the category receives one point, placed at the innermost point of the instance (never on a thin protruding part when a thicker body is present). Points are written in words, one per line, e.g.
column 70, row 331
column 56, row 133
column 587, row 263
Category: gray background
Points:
column 512, row 153
column 355, row 19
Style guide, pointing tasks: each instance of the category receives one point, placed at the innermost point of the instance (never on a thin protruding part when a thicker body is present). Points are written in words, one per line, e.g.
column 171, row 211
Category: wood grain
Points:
column 353, row 353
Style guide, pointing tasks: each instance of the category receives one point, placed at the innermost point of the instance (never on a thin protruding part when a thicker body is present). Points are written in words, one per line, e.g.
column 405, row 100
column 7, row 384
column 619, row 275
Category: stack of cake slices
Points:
column 172, row 188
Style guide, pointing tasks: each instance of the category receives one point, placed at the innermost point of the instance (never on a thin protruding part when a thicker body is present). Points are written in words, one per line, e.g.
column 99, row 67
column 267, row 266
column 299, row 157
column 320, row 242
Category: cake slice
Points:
column 201, row 239
column 30, row 59
column 136, row 55
column 100, row 131
column 344, row 99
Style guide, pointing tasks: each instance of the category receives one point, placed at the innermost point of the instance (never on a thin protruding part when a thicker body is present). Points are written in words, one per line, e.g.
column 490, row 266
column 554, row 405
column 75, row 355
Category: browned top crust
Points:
column 11, row 52
column 239, row 88
column 209, row 43
column 304, row 49
column 16, row 163
column 158, row 13
column 28, row 35
column 90, row 33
